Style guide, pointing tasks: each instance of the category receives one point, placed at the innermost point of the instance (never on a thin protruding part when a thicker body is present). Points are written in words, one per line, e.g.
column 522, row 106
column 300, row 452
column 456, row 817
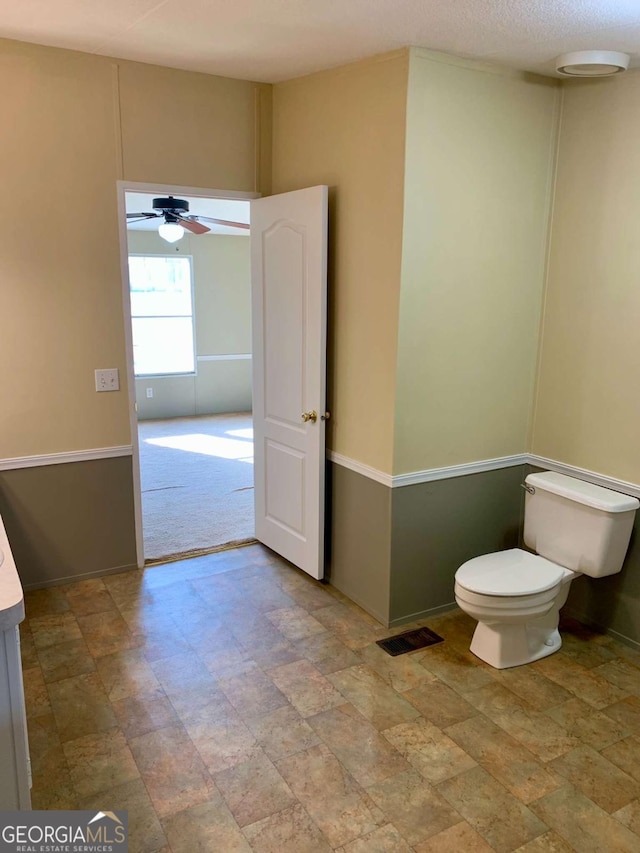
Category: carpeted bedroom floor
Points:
column 197, row 483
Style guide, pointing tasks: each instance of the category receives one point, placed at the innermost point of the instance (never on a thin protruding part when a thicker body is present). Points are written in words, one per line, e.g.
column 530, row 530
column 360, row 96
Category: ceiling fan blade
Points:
column 228, row 222
column 141, row 219
column 193, row 225
column 143, row 215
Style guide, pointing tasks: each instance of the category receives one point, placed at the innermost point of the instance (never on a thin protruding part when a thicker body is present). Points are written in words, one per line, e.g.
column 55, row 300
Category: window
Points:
column 161, row 314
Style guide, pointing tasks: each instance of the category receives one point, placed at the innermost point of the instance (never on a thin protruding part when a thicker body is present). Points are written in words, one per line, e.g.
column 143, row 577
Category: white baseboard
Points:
column 98, row 573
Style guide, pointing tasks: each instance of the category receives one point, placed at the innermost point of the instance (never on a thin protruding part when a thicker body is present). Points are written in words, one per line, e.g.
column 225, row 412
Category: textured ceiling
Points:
column 273, row 40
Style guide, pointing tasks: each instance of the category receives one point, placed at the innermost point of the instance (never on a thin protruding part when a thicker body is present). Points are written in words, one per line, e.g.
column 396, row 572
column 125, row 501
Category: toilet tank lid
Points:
column 582, row 492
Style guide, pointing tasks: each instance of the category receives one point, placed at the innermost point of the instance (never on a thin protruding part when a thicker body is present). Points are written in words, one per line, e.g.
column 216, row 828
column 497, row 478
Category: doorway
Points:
column 188, row 327
column 196, row 483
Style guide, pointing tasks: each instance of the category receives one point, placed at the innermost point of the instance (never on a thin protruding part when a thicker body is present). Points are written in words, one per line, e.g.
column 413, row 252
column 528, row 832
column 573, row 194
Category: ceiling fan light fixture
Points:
column 592, row 63
column 171, row 231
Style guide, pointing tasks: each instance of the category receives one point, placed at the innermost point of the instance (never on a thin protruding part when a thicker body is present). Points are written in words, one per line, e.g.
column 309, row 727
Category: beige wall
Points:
column 223, row 308
column 588, row 407
column 59, row 264
column 346, row 128
column 188, row 127
column 480, row 147
column 221, row 266
column 73, row 124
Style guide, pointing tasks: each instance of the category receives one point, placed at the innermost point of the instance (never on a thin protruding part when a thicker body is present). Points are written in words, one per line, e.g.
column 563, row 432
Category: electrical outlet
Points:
column 108, row 380
column 149, row 393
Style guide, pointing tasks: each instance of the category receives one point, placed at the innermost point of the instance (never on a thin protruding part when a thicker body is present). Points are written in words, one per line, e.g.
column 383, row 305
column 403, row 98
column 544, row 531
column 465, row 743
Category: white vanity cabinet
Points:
column 15, row 769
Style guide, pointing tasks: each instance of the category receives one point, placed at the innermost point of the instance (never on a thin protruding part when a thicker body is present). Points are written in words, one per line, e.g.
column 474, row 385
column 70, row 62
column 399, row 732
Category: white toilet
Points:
column 575, row 528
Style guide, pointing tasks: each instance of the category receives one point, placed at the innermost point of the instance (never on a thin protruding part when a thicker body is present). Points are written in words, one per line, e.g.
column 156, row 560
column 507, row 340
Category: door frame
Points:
column 123, row 187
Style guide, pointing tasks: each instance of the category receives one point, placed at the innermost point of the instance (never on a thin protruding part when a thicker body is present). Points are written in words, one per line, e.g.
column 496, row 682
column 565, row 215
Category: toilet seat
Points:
column 509, row 573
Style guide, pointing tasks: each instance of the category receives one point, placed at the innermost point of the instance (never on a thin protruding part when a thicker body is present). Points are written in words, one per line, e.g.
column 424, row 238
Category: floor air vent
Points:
column 410, row 641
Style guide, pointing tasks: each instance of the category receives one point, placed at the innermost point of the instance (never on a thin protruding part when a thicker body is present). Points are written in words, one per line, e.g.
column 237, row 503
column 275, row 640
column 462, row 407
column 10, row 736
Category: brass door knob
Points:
column 310, row 416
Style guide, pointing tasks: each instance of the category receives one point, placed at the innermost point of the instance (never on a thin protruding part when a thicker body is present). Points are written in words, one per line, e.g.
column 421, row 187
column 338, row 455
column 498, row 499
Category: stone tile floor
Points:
column 230, row 703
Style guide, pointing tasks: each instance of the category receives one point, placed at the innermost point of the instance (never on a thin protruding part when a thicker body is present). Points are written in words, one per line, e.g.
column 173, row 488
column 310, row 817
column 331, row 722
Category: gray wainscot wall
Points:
column 437, row 526
column 360, row 543
column 69, row 521
column 395, row 551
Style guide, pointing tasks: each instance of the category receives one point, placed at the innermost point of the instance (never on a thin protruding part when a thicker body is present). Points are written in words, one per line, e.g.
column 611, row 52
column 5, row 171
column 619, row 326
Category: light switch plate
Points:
column 108, row 380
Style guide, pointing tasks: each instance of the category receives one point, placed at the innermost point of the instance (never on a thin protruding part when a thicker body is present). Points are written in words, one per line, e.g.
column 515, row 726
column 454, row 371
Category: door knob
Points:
column 310, row 416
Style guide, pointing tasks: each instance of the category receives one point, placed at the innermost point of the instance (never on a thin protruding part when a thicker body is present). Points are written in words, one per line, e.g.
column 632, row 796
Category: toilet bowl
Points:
column 516, row 597
column 576, row 528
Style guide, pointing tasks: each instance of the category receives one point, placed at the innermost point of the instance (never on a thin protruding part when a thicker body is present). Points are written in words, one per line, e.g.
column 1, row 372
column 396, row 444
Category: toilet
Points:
column 575, row 528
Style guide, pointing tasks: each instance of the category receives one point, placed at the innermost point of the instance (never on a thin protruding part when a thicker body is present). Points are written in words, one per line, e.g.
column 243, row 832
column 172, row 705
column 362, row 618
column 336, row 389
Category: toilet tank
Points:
column 583, row 527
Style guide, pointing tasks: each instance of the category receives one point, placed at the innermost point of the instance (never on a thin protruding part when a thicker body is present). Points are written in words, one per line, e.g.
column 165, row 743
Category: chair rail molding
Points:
column 65, row 457
column 416, row 477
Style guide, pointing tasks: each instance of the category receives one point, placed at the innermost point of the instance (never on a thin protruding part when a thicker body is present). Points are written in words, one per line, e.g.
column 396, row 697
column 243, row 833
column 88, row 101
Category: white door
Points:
column 289, row 286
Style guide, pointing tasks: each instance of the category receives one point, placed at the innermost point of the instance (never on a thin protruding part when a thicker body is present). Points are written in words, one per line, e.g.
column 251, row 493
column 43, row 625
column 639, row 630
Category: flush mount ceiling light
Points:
column 592, row 63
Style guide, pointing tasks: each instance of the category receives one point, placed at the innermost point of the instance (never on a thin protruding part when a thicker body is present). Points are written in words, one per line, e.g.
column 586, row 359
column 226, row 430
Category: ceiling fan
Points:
column 173, row 212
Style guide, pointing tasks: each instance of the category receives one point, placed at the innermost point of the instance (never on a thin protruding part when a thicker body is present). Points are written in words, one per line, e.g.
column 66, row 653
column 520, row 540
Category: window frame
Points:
column 133, row 316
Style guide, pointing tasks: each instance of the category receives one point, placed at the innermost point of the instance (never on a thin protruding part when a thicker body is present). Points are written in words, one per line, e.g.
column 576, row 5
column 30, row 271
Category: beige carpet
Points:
column 197, row 483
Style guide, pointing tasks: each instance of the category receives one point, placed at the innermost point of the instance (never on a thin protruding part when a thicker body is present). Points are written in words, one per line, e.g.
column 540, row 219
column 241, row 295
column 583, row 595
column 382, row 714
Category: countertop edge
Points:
column 12, row 615
column 11, row 594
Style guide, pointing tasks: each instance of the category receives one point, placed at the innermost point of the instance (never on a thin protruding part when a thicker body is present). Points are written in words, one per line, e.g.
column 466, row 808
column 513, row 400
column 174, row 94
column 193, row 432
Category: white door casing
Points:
column 289, row 286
